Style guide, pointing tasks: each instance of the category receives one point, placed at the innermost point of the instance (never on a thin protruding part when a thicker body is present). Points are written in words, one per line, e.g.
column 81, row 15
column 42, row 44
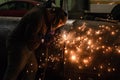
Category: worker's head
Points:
column 46, row 19
column 57, row 17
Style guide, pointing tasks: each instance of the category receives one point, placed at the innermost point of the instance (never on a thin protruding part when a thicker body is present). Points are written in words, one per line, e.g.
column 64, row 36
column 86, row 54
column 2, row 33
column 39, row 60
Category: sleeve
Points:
column 33, row 34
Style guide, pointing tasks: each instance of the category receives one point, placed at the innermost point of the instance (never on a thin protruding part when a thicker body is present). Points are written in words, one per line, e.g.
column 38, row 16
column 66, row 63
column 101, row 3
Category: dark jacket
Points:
column 29, row 31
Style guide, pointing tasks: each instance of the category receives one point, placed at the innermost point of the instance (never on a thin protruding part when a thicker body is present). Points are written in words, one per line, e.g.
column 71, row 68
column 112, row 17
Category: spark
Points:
column 89, row 42
column 101, row 67
column 31, row 64
column 66, row 51
column 118, row 49
column 80, row 67
column 99, row 74
column 73, row 58
column 42, row 40
column 109, row 69
column 97, row 32
column 85, row 61
column 112, row 33
column 113, row 69
column 65, row 37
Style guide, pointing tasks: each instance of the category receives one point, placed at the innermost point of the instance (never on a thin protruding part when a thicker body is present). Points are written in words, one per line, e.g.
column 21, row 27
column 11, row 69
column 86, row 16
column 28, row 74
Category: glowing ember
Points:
column 109, row 70
column 112, row 33
column 85, row 61
column 73, row 58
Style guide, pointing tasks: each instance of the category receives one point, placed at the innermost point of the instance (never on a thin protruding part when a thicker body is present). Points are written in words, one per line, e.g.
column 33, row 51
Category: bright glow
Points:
column 82, row 45
column 112, row 33
column 65, row 37
column 73, row 58
column 85, row 61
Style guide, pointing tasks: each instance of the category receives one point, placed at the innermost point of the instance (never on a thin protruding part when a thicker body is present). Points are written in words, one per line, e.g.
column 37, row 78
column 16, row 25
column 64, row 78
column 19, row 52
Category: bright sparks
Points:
column 84, row 45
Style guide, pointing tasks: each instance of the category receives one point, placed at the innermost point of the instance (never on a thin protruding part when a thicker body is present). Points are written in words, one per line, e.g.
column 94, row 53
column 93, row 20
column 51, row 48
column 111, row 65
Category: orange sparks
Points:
column 112, row 33
column 85, row 61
